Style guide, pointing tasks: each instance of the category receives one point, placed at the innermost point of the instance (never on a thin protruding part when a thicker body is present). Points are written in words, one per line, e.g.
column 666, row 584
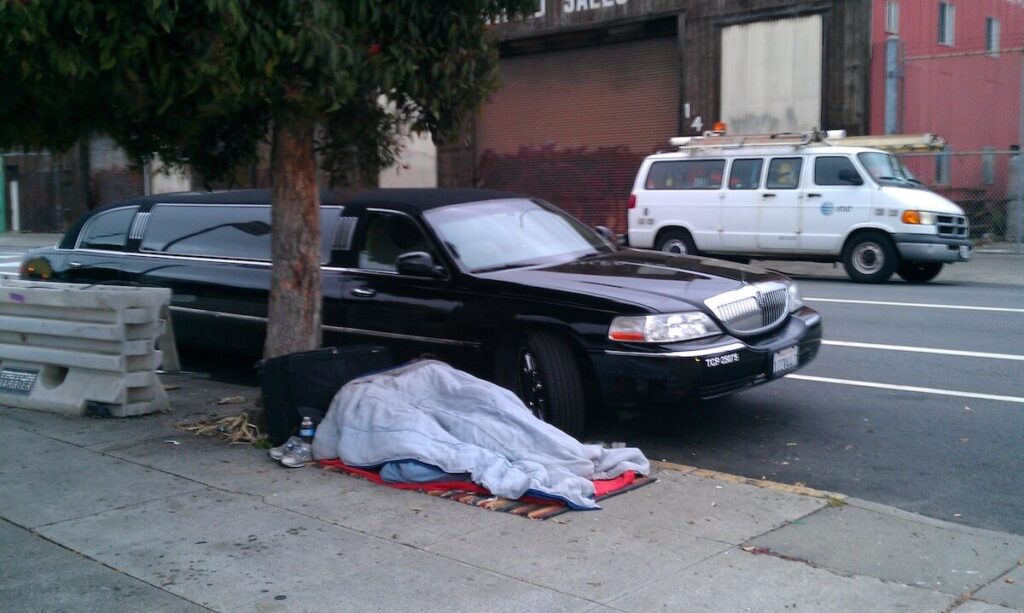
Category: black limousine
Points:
column 507, row 286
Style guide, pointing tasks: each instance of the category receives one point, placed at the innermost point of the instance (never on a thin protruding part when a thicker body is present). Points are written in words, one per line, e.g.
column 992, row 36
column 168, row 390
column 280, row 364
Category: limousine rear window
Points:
column 224, row 231
column 108, row 231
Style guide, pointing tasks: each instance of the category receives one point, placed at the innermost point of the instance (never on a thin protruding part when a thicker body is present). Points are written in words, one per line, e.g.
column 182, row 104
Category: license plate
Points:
column 965, row 252
column 785, row 360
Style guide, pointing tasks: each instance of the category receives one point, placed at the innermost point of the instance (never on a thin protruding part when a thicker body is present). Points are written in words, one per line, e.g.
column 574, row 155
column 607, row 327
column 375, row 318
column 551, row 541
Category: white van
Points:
column 815, row 196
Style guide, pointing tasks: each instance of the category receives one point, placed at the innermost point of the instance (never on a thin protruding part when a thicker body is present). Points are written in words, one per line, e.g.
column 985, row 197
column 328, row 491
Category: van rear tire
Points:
column 676, row 241
column 870, row 258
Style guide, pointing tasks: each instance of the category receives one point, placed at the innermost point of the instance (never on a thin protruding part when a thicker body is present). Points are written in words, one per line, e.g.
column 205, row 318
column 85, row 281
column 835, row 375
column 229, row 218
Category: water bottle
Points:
column 307, row 430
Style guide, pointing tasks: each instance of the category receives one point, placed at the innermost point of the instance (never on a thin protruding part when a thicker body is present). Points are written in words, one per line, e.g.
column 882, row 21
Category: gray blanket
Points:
column 431, row 412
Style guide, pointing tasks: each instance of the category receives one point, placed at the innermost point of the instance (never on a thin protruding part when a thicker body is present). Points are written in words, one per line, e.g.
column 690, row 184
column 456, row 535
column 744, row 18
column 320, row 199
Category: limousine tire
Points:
column 676, row 241
column 917, row 272
column 870, row 257
column 541, row 368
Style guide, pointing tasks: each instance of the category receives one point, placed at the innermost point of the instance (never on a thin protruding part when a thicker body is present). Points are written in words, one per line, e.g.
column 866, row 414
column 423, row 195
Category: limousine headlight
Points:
column 795, row 301
column 918, row 218
column 667, row 328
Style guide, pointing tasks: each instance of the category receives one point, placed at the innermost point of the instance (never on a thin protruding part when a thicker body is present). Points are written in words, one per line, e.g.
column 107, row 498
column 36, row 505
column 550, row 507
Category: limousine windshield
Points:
column 498, row 234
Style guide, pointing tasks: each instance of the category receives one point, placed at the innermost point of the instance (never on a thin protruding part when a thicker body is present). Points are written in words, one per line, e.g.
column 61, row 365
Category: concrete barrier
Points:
column 80, row 349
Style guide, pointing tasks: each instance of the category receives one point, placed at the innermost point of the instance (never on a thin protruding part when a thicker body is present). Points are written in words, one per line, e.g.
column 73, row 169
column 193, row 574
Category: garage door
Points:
column 771, row 76
column 573, row 126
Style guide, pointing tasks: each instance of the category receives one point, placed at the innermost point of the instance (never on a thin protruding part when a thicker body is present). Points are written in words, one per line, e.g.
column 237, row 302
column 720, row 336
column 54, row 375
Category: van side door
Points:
column 778, row 228
column 836, row 198
column 741, row 205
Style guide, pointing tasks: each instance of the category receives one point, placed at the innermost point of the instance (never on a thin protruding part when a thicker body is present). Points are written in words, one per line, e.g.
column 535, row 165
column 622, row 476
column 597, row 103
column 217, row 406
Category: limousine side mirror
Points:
column 604, row 231
column 850, row 177
column 418, row 263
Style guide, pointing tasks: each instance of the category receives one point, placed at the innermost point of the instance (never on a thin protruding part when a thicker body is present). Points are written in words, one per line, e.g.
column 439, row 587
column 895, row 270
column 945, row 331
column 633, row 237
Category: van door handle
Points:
column 814, row 195
column 767, row 195
column 365, row 293
column 74, row 264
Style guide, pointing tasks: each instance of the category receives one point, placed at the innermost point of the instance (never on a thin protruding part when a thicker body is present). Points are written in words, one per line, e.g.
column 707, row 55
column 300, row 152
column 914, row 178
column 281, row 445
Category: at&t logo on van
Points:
column 827, row 208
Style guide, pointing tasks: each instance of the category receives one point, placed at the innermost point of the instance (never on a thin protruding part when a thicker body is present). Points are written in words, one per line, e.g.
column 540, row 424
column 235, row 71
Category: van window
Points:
column 686, row 174
column 108, row 231
column 835, row 170
column 745, row 174
column 784, row 173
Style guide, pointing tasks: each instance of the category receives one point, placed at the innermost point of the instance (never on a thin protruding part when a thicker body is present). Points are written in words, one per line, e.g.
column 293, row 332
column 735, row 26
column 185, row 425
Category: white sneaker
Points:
column 279, row 452
column 298, row 456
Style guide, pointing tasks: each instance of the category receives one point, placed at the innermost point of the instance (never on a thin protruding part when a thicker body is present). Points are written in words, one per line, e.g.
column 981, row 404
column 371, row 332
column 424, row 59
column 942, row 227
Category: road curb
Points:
column 801, row 490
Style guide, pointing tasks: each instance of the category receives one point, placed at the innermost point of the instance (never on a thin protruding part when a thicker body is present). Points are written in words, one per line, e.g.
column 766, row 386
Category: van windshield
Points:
column 499, row 234
column 887, row 169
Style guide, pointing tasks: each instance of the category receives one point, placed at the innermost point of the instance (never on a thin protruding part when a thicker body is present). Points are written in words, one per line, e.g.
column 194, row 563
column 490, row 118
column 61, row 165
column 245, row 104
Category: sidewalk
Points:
column 134, row 514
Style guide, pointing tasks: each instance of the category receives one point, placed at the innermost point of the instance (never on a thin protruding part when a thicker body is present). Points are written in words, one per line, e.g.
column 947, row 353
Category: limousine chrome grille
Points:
column 952, row 226
column 751, row 309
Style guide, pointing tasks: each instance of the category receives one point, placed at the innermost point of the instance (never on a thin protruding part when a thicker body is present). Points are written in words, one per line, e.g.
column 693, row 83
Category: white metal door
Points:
column 771, row 76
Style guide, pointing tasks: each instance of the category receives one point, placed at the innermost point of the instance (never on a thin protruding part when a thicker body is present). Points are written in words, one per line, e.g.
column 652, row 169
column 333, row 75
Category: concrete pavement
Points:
column 135, row 514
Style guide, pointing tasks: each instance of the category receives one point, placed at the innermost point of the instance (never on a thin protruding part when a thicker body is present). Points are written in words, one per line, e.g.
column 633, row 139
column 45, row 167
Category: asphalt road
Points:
column 848, row 422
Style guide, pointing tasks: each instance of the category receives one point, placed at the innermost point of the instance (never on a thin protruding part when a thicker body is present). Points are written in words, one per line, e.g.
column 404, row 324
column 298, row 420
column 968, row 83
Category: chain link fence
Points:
column 986, row 185
column 972, row 98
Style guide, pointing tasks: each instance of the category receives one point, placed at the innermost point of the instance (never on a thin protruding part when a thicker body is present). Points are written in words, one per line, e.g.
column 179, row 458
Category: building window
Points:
column 992, row 35
column 892, row 17
column 947, row 23
column 988, row 165
column 942, row 166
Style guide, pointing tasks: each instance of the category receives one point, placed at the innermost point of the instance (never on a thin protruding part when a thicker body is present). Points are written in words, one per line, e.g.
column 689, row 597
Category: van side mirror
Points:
column 418, row 263
column 850, row 177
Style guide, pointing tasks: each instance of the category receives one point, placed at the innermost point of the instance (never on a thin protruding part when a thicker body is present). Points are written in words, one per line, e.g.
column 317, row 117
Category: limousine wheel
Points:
column 912, row 272
column 869, row 258
column 541, row 369
column 676, row 241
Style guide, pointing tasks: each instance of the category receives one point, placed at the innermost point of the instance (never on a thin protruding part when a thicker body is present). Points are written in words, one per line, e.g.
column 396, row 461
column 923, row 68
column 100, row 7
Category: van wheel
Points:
column 676, row 241
column 541, row 369
column 912, row 272
column 870, row 258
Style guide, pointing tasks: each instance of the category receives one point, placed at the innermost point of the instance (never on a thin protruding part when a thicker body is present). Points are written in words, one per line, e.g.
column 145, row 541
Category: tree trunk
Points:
column 295, row 297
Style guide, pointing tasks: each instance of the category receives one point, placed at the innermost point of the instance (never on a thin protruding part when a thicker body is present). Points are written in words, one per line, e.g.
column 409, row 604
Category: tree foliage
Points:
column 204, row 82
column 198, row 82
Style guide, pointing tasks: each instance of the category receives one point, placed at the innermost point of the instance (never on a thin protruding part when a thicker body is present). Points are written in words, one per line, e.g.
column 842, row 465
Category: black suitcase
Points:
column 303, row 384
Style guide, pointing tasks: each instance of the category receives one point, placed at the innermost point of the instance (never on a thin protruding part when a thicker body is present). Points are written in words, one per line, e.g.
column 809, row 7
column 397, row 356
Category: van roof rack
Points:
column 837, row 138
column 720, row 140
column 891, row 142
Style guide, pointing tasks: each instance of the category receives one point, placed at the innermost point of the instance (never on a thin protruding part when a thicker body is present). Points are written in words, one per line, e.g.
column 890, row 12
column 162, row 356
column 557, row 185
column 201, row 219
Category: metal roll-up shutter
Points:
column 572, row 126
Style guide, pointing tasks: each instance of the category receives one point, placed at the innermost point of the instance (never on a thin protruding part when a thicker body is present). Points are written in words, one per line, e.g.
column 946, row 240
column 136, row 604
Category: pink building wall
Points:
column 967, row 96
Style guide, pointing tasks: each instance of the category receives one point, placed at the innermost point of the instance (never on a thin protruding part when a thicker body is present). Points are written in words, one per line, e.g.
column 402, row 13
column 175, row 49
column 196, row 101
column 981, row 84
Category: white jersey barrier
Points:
column 81, row 349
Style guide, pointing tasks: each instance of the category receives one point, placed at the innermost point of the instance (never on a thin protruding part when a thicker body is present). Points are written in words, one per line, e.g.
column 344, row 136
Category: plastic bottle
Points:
column 307, row 430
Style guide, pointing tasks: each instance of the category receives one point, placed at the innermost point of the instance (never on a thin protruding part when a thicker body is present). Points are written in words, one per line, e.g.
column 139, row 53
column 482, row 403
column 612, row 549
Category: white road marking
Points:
column 920, row 305
column 964, row 354
column 908, row 388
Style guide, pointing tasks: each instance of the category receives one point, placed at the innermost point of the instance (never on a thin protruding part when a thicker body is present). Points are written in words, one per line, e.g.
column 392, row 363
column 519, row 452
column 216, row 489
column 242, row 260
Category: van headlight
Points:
column 918, row 218
column 795, row 301
column 666, row 328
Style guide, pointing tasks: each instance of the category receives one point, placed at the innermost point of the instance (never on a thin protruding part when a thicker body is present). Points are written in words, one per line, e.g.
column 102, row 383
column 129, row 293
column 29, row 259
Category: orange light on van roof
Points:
column 719, row 126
